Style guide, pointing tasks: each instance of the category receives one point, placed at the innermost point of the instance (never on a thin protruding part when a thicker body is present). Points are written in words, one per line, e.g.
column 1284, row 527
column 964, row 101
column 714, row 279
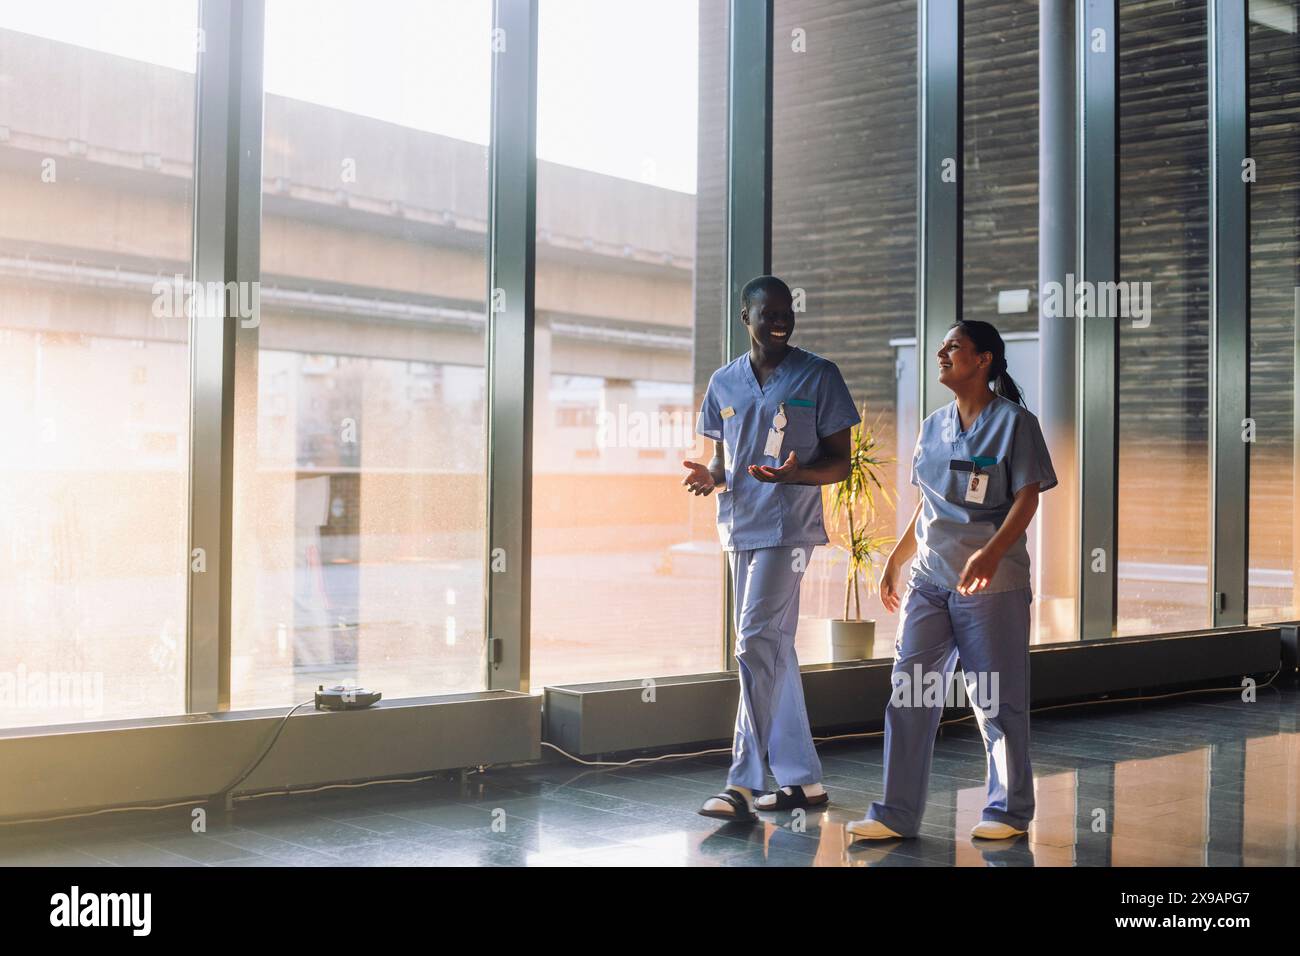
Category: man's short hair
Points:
column 764, row 284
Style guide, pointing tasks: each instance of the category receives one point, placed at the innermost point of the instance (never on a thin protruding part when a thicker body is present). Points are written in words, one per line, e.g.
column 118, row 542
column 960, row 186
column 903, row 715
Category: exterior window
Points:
column 361, row 460
column 96, row 187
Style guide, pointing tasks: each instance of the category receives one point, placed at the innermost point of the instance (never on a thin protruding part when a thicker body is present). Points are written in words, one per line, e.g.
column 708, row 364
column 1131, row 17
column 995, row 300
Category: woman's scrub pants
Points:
column 990, row 633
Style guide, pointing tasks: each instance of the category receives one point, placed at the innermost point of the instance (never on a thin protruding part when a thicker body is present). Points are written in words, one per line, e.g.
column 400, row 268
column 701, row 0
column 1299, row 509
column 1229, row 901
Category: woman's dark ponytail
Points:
column 1005, row 385
column 987, row 339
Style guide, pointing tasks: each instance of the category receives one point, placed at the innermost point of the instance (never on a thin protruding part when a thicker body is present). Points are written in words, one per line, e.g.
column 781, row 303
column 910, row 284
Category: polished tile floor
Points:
column 1192, row 781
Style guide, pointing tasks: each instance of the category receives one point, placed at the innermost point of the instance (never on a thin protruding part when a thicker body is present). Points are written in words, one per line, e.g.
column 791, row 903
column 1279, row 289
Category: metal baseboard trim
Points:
column 81, row 767
column 617, row 716
column 1088, row 668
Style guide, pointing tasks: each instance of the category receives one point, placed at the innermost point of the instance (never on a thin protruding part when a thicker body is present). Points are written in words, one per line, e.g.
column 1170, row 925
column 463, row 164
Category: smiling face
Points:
column 960, row 365
column 770, row 318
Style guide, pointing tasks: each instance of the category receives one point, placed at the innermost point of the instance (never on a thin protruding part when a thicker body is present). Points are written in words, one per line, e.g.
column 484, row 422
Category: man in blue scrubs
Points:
column 780, row 418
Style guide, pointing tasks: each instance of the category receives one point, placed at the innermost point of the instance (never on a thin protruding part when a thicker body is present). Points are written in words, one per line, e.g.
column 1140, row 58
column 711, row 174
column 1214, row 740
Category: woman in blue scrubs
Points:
column 980, row 464
column 780, row 419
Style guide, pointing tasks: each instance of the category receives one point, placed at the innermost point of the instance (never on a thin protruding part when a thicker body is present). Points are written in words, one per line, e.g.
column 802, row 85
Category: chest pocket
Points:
column 995, row 491
column 800, row 433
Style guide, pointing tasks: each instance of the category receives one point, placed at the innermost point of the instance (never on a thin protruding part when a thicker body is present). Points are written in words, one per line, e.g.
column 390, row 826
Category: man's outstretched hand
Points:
column 786, row 473
column 698, row 480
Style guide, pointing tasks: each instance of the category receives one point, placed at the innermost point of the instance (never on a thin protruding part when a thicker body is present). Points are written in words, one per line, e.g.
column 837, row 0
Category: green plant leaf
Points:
column 854, row 504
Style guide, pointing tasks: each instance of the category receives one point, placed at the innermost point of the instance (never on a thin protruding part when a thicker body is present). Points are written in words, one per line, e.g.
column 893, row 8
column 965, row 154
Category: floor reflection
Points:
column 1194, row 781
column 1229, row 795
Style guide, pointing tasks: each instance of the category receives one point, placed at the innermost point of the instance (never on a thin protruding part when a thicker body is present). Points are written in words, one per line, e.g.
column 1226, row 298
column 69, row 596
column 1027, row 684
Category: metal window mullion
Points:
column 511, row 251
column 227, row 221
column 1097, row 462
column 1295, row 450
column 940, row 157
column 749, row 158
column 749, row 194
column 1229, row 312
column 1057, row 563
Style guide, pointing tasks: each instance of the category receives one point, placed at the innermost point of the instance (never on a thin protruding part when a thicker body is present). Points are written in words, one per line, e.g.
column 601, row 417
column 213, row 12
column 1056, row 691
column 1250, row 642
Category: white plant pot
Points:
column 850, row 640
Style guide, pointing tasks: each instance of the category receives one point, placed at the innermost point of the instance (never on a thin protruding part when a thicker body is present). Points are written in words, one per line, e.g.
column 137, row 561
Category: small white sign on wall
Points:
column 1013, row 300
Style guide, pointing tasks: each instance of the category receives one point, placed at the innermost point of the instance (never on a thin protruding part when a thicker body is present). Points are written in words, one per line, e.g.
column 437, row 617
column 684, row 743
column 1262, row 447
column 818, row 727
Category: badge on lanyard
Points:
column 776, row 434
column 976, row 481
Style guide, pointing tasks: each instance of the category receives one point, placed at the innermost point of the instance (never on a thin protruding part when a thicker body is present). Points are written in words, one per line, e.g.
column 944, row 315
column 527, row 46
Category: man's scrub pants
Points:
column 990, row 633
column 771, row 721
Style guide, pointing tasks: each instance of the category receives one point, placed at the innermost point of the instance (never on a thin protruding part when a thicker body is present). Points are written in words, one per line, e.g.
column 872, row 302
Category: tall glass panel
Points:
column 626, row 572
column 96, row 185
column 360, row 465
column 1274, row 308
column 1000, row 217
column 1164, row 509
column 844, row 234
column 1000, row 209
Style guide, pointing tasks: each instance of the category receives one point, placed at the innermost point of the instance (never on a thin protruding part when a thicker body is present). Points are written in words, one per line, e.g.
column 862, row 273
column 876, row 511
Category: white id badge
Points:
column 976, row 487
column 773, row 447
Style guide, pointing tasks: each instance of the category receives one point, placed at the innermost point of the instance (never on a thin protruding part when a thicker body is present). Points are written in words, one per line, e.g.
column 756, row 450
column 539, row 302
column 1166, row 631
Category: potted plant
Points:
column 853, row 506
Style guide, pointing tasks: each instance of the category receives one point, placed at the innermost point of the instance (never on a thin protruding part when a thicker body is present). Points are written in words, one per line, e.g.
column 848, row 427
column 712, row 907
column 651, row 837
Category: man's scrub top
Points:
column 1005, row 444
column 738, row 412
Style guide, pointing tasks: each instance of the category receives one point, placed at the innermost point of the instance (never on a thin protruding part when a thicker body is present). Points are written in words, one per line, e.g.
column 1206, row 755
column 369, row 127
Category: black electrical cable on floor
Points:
column 228, row 792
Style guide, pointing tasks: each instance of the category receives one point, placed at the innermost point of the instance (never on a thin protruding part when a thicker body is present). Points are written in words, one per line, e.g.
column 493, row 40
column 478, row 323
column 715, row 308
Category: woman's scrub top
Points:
column 968, row 481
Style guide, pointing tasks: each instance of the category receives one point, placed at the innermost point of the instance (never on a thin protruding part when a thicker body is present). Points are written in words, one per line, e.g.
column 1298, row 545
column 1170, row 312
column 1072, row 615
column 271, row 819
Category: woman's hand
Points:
column 698, row 480
column 982, row 565
column 785, row 474
column 979, row 570
column 889, row 593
